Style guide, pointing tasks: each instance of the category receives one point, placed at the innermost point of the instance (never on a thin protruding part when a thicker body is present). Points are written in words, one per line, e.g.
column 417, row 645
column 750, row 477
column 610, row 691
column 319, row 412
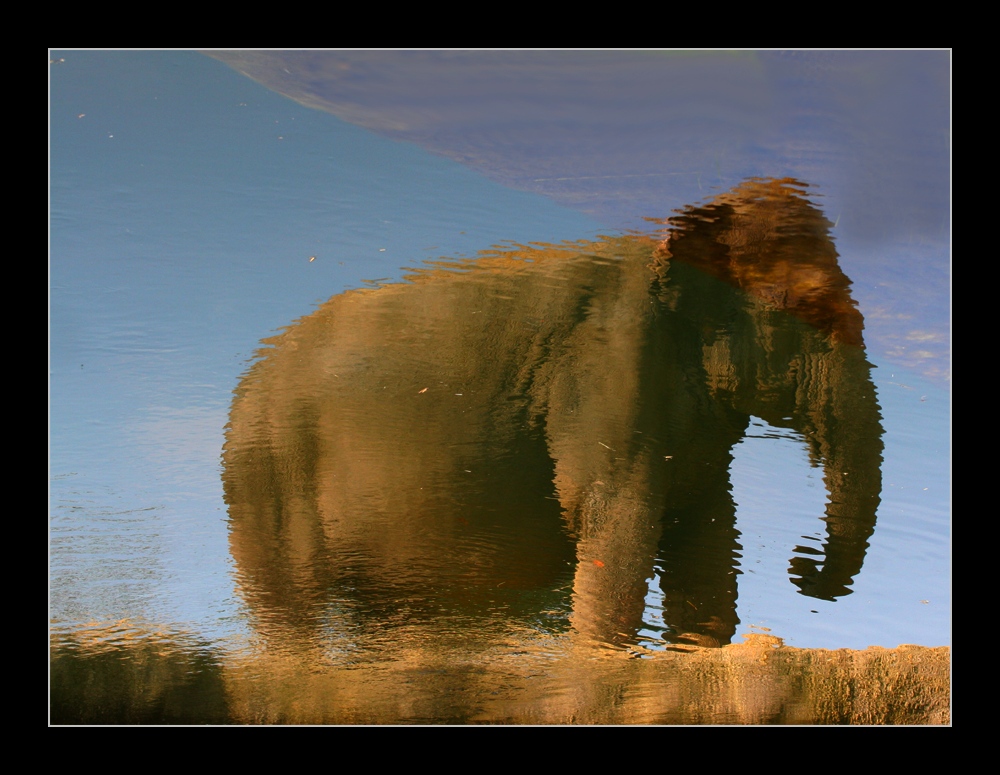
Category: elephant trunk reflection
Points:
column 526, row 439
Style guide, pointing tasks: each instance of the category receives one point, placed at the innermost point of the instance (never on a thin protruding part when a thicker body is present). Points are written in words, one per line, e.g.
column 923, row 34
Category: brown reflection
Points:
column 758, row 681
column 532, row 432
column 103, row 675
column 122, row 674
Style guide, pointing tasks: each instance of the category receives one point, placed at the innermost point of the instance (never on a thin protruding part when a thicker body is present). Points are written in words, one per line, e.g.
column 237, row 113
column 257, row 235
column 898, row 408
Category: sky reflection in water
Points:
column 186, row 202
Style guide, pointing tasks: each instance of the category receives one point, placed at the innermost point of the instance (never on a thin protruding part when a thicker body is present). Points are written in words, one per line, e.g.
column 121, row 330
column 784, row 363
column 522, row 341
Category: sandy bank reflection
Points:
column 99, row 677
column 515, row 441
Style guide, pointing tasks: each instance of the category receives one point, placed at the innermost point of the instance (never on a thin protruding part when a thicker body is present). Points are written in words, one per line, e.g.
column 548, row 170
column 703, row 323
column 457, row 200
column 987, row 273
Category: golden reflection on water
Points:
column 108, row 676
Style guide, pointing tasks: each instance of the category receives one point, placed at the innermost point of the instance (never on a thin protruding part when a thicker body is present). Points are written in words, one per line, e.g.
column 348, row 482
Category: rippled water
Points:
column 283, row 444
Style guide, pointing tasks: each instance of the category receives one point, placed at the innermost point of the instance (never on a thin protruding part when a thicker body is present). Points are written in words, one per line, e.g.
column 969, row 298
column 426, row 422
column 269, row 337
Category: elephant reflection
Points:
column 545, row 419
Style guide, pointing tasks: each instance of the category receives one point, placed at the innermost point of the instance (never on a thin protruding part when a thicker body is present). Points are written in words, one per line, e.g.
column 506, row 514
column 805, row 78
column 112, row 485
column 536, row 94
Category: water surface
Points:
column 578, row 432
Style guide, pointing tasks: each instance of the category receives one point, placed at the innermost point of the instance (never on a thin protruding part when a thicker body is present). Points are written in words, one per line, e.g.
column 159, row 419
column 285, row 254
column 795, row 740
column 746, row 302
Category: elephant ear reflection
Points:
column 525, row 439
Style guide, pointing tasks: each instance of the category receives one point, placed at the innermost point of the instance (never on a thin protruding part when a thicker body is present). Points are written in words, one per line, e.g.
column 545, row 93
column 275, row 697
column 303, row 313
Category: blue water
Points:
column 186, row 203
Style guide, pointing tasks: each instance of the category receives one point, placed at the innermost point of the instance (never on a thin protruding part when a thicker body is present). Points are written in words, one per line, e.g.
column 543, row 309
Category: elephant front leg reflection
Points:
column 698, row 558
column 691, row 545
column 615, row 557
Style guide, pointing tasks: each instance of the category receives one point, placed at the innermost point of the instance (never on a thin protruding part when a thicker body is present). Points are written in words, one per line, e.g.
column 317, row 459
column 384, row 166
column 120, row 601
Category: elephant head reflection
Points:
column 541, row 426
